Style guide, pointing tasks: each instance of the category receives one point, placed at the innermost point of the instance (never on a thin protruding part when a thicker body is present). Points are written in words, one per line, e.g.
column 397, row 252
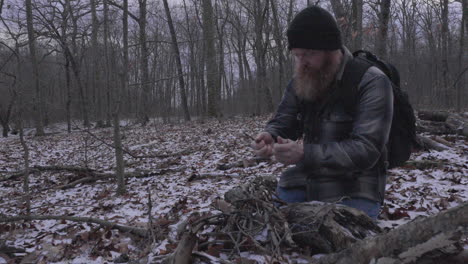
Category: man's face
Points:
column 314, row 71
column 307, row 58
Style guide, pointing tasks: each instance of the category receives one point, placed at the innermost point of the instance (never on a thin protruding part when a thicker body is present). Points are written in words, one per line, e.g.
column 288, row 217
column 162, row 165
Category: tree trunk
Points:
column 463, row 28
column 263, row 95
column 5, row 122
column 342, row 19
column 38, row 102
column 119, row 161
column 72, row 56
column 357, row 24
column 183, row 95
column 97, row 91
column 106, row 54
column 445, row 67
column 145, row 95
column 382, row 34
column 210, row 60
column 279, row 47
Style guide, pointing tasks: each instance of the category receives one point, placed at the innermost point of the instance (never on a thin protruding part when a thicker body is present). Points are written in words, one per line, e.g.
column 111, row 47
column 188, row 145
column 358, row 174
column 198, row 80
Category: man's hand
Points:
column 263, row 145
column 287, row 151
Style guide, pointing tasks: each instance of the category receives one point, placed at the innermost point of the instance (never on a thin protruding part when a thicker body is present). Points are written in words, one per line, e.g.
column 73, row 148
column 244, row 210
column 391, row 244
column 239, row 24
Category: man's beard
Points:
column 311, row 84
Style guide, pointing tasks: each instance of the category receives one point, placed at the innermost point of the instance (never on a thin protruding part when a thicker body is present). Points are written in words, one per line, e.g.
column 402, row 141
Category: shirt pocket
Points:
column 336, row 128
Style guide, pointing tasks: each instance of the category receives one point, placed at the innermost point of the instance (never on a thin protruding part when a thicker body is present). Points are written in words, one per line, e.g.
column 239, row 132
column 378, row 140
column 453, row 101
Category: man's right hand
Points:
column 263, row 145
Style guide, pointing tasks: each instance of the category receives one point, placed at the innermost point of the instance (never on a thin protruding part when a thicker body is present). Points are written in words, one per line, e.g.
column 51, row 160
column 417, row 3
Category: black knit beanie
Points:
column 314, row 28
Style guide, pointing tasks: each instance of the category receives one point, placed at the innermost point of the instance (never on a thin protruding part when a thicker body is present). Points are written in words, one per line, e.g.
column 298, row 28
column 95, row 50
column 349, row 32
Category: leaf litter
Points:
column 191, row 188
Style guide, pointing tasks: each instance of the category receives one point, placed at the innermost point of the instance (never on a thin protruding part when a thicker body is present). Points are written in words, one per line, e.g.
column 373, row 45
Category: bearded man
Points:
column 343, row 157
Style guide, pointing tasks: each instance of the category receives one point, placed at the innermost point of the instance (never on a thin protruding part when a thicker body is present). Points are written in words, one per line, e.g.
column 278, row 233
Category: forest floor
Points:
column 186, row 183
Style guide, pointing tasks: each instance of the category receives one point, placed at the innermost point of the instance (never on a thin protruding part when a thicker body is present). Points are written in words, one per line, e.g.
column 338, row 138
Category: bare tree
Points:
column 119, row 162
column 463, row 30
column 342, row 19
column 210, row 60
column 38, row 102
column 445, row 45
column 384, row 16
column 357, row 6
column 183, row 95
column 279, row 46
column 95, row 72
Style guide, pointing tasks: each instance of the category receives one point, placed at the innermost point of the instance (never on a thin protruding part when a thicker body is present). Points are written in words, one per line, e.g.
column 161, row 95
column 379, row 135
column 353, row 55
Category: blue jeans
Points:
column 298, row 195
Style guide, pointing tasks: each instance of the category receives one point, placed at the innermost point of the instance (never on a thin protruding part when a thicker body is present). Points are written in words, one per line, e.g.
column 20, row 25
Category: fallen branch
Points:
column 201, row 176
column 9, row 249
column 407, row 242
column 63, row 168
column 242, row 163
column 103, row 176
column 433, row 116
column 209, row 258
column 424, row 164
column 135, row 156
column 128, row 229
column 73, row 169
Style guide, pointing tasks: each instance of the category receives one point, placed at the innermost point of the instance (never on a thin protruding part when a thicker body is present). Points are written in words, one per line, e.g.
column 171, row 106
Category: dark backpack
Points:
column 402, row 138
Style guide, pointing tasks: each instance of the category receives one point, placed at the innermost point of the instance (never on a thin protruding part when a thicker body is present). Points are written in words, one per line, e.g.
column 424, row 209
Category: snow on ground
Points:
column 411, row 191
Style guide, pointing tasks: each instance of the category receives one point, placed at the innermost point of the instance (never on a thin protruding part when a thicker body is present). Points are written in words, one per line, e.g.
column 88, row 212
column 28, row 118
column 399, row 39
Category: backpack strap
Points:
column 349, row 85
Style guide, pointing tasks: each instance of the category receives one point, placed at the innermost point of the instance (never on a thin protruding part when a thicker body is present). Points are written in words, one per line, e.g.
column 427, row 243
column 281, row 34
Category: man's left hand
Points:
column 287, row 151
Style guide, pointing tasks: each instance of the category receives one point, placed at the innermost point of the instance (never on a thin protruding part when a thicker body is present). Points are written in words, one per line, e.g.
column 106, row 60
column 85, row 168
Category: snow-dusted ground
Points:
column 411, row 192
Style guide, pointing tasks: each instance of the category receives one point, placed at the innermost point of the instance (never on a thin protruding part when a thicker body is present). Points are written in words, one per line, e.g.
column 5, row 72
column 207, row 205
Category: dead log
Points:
column 408, row 242
column 428, row 143
column 458, row 124
column 91, row 175
column 436, row 128
column 423, row 164
column 327, row 227
column 443, row 142
column 127, row 229
column 437, row 116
